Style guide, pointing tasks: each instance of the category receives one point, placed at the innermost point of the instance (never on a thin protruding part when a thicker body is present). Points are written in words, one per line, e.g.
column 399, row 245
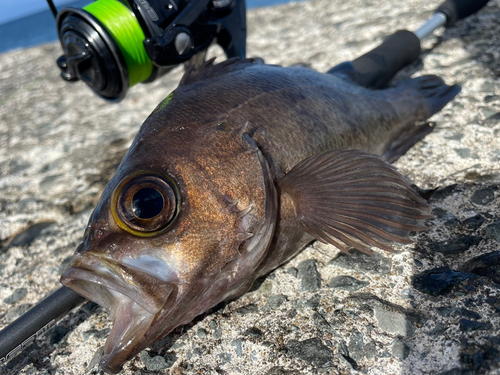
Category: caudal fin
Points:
column 435, row 92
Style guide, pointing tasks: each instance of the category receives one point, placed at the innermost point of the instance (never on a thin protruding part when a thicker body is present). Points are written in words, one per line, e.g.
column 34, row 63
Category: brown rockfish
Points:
column 232, row 175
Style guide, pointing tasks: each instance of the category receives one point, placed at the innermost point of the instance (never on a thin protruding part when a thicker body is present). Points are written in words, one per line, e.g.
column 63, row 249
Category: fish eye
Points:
column 145, row 204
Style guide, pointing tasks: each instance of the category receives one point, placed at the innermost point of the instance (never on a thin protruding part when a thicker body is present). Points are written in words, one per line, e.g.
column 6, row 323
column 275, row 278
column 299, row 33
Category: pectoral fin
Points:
column 350, row 198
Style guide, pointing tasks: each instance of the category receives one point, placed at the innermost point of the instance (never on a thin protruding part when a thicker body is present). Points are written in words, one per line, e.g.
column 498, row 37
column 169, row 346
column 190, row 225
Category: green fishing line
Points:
column 121, row 23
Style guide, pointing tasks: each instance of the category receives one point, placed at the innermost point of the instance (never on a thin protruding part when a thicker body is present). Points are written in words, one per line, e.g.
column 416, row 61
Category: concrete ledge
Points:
column 433, row 307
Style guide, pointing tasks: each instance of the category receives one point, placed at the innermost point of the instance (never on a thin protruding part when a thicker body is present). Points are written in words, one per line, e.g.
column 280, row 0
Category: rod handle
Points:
column 377, row 67
column 458, row 9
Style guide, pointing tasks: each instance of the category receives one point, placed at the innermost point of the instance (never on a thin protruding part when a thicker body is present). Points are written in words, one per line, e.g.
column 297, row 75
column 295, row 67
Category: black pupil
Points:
column 147, row 203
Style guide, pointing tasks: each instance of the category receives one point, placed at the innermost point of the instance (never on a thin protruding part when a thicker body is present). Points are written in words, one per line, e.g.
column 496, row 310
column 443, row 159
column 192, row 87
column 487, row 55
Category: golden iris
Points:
column 145, row 203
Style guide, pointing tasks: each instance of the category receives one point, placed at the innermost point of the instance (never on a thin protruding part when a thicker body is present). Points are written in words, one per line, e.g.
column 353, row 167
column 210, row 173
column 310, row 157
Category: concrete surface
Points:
column 430, row 308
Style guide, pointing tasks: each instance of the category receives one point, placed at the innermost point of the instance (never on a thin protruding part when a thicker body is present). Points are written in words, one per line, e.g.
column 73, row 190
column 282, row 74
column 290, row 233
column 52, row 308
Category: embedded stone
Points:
column 467, row 325
column 492, row 231
column 153, row 362
column 439, row 281
column 393, row 321
column 374, row 263
column 455, row 245
column 400, row 349
column 484, row 196
column 347, row 283
column 311, row 351
column 310, row 280
column 274, row 301
column 17, row 295
column 474, row 221
column 216, row 331
column 30, row 234
column 486, row 265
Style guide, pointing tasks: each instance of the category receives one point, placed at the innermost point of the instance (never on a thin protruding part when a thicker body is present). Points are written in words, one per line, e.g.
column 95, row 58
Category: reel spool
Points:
column 112, row 45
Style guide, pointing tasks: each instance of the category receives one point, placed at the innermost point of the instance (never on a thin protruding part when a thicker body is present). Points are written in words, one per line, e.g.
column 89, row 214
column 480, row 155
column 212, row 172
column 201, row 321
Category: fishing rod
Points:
column 376, row 68
column 373, row 70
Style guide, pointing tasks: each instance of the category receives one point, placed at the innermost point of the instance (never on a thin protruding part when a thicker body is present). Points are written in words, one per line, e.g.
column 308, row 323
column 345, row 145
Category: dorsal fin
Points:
column 209, row 69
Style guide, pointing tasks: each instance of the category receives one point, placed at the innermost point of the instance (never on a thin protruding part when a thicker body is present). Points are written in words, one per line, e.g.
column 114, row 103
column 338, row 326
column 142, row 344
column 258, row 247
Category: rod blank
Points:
column 436, row 21
column 27, row 328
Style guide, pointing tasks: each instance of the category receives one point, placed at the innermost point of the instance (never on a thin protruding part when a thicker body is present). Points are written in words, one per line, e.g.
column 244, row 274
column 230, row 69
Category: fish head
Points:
column 182, row 226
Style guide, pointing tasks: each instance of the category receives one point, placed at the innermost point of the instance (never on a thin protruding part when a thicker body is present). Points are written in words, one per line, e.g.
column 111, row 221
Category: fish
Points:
column 234, row 173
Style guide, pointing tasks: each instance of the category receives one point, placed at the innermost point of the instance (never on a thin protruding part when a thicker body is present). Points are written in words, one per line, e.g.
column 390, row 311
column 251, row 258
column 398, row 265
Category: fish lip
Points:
column 107, row 282
column 89, row 272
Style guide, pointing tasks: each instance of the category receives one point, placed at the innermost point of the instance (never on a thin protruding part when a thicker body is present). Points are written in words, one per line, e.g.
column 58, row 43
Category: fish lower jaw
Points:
column 131, row 321
column 130, row 324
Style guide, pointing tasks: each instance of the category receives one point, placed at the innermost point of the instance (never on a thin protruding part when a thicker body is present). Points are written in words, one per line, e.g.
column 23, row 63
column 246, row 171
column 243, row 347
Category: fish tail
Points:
column 433, row 90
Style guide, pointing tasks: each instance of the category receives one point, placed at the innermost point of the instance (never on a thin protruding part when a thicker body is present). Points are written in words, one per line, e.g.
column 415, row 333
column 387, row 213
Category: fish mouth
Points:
column 127, row 295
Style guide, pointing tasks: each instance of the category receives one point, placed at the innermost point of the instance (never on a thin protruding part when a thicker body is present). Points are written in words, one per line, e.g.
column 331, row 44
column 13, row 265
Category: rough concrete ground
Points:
column 431, row 308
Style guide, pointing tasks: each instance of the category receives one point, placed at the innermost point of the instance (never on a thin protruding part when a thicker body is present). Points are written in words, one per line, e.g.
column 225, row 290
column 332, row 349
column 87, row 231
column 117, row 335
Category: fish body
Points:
column 232, row 175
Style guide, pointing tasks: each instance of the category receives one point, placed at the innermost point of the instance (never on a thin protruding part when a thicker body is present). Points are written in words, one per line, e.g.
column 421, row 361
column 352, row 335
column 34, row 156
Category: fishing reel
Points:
column 113, row 45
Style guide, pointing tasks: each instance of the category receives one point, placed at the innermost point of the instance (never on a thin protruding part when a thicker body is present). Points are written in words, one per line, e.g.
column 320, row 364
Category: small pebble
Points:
column 457, row 311
column 348, row 283
column 486, row 265
column 253, row 332
column 320, row 322
column 438, row 281
column 292, row 271
column 358, row 349
column 313, row 302
column 492, row 231
column 216, row 331
column 238, row 348
column 374, row 263
column 467, row 325
column 202, row 333
column 484, row 196
column 450, row 220
column 310, row 280
column 445, row 192
column 311, row 351
column 225, row 357
column 463, row 152
column 455, row 245
column 400, row 349
column 153, row 362
column 274, row 301
column 247, row 309
column 474, row 221
column 393, row 321
column 279, row 370
column 17, row 295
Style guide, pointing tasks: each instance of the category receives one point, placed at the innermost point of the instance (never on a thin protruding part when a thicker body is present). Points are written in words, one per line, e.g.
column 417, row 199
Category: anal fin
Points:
column 433, row 93
column 350, row 198
column 407, row 140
